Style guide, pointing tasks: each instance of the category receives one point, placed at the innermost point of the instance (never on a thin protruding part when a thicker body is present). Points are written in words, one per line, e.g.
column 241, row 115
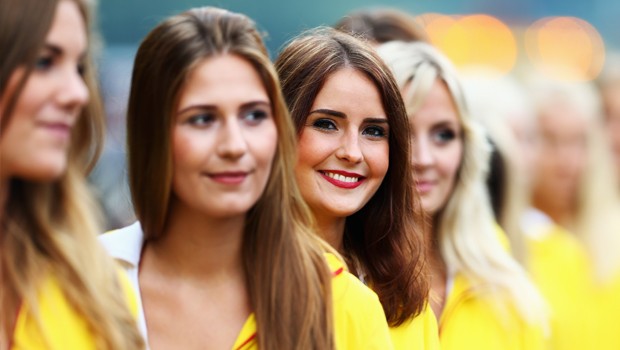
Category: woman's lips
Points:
column 424, row 187
column 229, row 177
column 342, row 179
column 58, row 129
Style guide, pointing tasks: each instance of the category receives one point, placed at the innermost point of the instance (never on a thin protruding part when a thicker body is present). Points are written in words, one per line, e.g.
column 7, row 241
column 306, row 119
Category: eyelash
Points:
column 201, row 120
column 252, row 117
column 445, row 135
column 377, row 131
column 256, row 116
column 324, row 124
column 46, row 62
column 329, row 125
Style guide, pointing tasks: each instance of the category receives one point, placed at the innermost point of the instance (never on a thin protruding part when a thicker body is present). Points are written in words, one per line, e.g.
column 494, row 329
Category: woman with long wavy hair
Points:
column 223, row 240
column 354, row 172
column 59, row 290
column 478, row 291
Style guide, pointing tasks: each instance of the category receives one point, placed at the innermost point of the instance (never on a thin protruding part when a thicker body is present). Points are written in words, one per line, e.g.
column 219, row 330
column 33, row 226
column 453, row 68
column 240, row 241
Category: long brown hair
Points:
column 289, row 282
column 384, row 238
column 51, row 228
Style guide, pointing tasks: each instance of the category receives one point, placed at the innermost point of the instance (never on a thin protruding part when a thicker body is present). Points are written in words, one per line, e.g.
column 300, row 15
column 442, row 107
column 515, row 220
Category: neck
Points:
column 433, row 251
column 560, row 213
column 331, row 229
column 196, row 246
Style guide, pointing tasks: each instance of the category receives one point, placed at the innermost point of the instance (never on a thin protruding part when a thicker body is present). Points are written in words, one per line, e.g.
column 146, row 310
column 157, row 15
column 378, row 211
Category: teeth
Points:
column 341, row 177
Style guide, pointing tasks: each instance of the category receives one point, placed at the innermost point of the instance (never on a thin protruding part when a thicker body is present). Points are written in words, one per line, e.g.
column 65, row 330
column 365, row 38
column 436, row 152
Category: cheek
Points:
column 378, row 159
column 266, row 143
column 312, row 149
column 451, row 160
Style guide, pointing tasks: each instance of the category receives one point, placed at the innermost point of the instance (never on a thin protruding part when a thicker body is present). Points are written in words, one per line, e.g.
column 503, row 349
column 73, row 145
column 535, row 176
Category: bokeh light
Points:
column 565, row 48
column 473, row 40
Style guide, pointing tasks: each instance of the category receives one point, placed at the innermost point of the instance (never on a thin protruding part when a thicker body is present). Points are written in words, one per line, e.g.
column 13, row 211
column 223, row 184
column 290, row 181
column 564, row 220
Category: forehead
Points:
column 350, row 89
column 68, row 30
column 438, row 105
column 223, row 79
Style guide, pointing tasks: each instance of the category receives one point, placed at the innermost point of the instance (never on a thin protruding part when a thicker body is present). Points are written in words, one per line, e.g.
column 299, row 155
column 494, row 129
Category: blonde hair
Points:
column 596, row 219
column 465, row 229
column 50, row 228
column 508, row 187
column 289, row 281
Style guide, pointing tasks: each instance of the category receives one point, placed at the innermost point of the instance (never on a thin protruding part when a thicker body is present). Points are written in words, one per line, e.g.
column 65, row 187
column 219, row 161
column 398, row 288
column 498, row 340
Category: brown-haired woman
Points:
column 58, row 289
column 223, row 239
column 381, row 25
column 354, row 171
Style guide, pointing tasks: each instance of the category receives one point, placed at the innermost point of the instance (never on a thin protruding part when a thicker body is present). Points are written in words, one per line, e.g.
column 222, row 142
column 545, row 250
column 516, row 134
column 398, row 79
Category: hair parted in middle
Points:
column 383, row 240
column 288, row 278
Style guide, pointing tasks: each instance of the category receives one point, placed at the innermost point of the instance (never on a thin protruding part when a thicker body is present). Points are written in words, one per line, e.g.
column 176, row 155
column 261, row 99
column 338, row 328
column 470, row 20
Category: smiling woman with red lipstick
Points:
column 354, row 172
column 58, row 287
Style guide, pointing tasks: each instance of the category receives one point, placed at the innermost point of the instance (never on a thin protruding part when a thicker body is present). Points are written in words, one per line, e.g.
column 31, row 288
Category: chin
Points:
column 44, row 172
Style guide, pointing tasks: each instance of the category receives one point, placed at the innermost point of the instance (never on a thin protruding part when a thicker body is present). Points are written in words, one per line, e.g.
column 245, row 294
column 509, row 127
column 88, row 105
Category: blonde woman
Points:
column 573, row 186
column 223, row 241
column 58, row 288
column 481, row 296
column 555, row 258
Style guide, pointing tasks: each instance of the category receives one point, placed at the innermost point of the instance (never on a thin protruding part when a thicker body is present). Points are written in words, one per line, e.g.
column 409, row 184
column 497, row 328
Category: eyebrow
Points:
column 338, row 114
column 58, row 51
column 329, row 112
column 246, row 105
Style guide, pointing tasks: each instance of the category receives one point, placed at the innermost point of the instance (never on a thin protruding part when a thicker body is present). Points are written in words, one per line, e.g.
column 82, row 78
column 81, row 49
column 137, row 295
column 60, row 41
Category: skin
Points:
column 438, row 152
column 346, row 133
column 562, row 161
column 224, row 142
column 35, row 144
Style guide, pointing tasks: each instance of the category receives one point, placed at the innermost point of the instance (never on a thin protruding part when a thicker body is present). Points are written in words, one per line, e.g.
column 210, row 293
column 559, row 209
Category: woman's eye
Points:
column 43, row 63
column 375, row 131
column 445, row 135
column 324, row 124
column 256, row 116
column 201, row 120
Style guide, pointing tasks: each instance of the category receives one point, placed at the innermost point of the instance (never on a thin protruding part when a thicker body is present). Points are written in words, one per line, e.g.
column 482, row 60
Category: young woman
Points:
column 478, row 290
column 354, row 173
column 223, row 241
column 554, row 257
column 572, row 185
column 58, row 288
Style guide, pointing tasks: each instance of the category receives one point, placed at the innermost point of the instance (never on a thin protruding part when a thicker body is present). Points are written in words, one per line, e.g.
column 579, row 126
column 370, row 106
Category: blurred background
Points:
column 566, row 40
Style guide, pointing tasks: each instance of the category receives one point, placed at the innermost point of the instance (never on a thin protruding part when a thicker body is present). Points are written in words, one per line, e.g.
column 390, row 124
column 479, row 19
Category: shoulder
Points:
column 60, row 327
column 124, row 244
column 421, row 332
column 358, row 315
column 474, row 312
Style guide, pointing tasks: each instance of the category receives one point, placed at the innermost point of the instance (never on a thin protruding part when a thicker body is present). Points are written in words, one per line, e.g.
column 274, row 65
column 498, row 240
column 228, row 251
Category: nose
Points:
column 422, row 155
column 232, row 143
column 73, row 93
column 350, row 149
